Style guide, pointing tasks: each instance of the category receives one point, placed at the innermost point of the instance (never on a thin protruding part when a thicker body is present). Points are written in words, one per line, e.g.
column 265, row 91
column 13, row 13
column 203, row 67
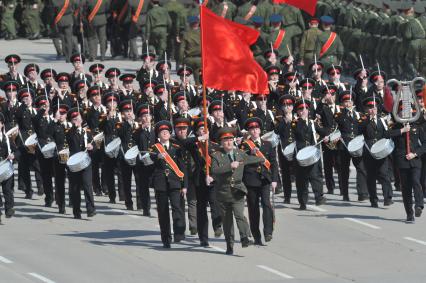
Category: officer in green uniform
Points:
column 247, row 10
column 307, row 44
column 261, row 44
column 397, row 21
column 96, row 12
column 158, row 25
column 227, row 172
column 138, row 10
column 279, row 37
column 422, row 70
column 294, row 25
column 328, row 48
column 223, row 8
column 178, row 16
column 190, row 49
column 413, row 32
column 31, row 18
column 8, row 27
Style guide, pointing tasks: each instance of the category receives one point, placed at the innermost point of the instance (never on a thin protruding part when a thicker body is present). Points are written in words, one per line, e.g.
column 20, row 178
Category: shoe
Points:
column 62, row 210
column 418, row 211
column 138, row 207
column 98, row 194
column 48, row 204
column 0, row 220
column 193, row 231
column 129, row 207
column 204, row 244
column 166, row 245
column 229, row 249
column 330, row 192
column 146, row 212
column 179, row 238
column 245, row 242
column 102, row 58
column 218, row 232
column 388, row 202
column 268, row 238
column 374, row 204
column 346, row 198
column 287, row 200
column 29, row 196
column 362, row 198
column 258, row 242
column 77, row 216
column 302, row 207
column 91, row 59
column 112, row 201
column 320, row 201
column 410, row 219
column 91, row 213
column 10, row 212
column 40, row 192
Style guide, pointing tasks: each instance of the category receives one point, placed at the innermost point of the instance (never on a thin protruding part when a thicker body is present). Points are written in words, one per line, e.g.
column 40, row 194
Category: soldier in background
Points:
column 96, row 12
column 61, row 12
column 190, row 49
column 307, row 44
column 158, row 26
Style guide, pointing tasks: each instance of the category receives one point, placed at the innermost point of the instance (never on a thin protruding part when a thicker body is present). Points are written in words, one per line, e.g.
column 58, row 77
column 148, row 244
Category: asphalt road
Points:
column 337, row 242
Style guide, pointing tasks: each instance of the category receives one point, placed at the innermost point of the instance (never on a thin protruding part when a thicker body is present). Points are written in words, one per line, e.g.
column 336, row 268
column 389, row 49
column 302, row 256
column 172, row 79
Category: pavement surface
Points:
column 336, row 242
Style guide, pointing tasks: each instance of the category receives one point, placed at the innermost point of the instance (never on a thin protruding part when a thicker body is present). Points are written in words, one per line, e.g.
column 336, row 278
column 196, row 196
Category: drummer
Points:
column 375, row 128
column 128, row 132
column 348, row 121
column 259, row 179
column 9, row 107
column 78, row 140
column 61, row 127
column 305, row 132
column 7, row 150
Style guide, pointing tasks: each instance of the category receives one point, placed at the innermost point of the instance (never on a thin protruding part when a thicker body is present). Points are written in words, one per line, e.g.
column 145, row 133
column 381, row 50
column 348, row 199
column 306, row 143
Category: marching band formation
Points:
column 98, row 127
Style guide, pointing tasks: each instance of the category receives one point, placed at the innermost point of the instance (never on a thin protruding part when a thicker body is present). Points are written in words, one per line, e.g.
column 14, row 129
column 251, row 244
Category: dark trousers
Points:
column 65, row 33
column 378, row 170
column 143, row 198
column 46, row 168
column 330, row 157
column 287, row 169
column 192, row 204
column 229, row 210
column 126, row 175
column 7, row 189
column 254, row 196
column 97, row 34
column 60, row 177
column 178, row 214
column 111, row 168
column 96, row 172
column 423, row 175
column 206, row 197
column 343, row 162
column 78, row 181
column 27, row 162
column 410, row 185
column 304, row 176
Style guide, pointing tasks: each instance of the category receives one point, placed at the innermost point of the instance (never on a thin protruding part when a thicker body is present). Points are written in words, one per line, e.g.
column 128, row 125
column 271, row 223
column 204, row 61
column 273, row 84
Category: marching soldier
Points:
column 278, row 37
column 170, row 183
column 223, row 8
column 62, row 12
column 96, row 70
column 307, row 44
column 78, row 61
column 190, row 50
column 31, row 72
column 128, row 92
column 263, row 113
column 96, row 12
column 48, row 76
column 158, row 25
column 227, row 171
column 329, row 47
column 10, row 107
column 7, row 149
column 12, row 62
column 78, row 140
column 138, row 9
column 260, row 180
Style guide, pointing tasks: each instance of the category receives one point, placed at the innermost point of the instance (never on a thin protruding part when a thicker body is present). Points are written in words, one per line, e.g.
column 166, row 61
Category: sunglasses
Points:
column 261, row 99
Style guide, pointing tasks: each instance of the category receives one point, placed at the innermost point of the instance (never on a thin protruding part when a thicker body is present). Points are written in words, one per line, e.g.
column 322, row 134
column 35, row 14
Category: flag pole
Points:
column 206, row 128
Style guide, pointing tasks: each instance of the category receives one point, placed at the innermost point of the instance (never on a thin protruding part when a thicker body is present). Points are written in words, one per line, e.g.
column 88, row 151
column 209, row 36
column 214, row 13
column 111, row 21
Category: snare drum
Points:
column 79, row 161
column 31, row 143
column 356, row 146
column 98, row 139
column 288, row 151
column 382, row 148
column 146, row 159
column 271, row 137
column 48, row 150
column 6, row 170
column 308, row 156
column 132, row 155
column 64, row 155
column 113, row 148
column 13, row 133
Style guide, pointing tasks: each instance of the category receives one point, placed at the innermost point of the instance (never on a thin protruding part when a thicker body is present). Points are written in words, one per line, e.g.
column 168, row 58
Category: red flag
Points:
column 308, row 6
column 228, row 62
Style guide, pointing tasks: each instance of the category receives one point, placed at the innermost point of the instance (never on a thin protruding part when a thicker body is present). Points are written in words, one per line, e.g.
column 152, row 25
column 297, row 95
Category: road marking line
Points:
column 41, row 278
column 362, row 223
column 119, row 210
column 5, row 260
column 415, row 240
column 217, row 249
column 133, row 216
column 276, row 272
column 316, row 208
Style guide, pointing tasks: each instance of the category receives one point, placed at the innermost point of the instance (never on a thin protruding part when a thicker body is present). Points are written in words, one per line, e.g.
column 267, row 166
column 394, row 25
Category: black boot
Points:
column 229, row 249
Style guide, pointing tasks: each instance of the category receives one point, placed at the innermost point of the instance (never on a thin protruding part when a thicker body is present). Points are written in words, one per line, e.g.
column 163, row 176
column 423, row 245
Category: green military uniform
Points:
column 177, row 14
column 8, row 27
column 414, row 32
column 259, row 47
column 31, row 18
column 119, row 28
column 382, row 49
column 294, row 25
column 307, row 46
column 248, row 10
column 265, row 9
column 158, row 26
column 225, row 9
column 334, row 54
column 137, row 21
column 422, row 68
column 62, row 25
column 230, row 190
column 395, row 26
column 190, row 51
column 286, row 41
column 96, row 26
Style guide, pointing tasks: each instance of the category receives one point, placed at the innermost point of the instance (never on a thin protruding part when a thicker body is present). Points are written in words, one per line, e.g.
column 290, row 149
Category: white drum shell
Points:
column 288, row 151
column 335, row 135
column 48, row 150
column 31, row 140
column 113, row 148
column 356, row 146
column 271, row 137
column 131, row 155
column 64, row 152
column 308, row 156
column 382, row 148
column 79, row 161
column 6, row 170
